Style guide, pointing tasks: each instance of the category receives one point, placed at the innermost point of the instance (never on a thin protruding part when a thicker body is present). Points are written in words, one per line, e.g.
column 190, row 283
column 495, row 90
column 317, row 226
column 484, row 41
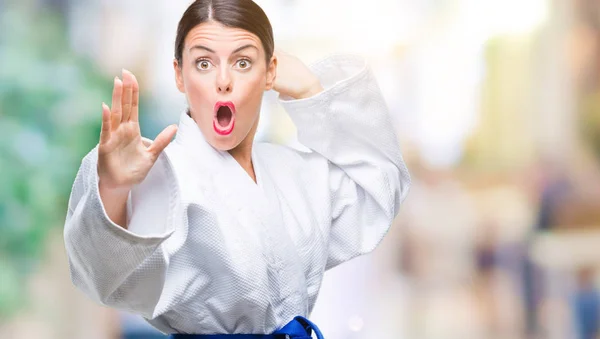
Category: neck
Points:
column 243, row 154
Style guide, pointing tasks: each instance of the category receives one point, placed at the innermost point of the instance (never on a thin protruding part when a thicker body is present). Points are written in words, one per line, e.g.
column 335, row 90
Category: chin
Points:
column 224, row 143
column 224, row 147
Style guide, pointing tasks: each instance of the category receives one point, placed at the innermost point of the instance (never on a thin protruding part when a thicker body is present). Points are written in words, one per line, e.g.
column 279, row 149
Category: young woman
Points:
column 214, row 234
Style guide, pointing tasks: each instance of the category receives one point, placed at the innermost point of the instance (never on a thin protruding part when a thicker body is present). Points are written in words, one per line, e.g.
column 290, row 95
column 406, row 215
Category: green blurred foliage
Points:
column 49, row 119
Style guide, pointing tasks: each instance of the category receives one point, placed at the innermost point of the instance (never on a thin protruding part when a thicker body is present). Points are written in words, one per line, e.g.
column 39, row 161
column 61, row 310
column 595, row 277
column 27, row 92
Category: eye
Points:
column 243, row 63
column 203, row 64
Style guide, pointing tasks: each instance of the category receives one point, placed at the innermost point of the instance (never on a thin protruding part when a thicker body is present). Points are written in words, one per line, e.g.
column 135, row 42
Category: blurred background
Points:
column 497, row 106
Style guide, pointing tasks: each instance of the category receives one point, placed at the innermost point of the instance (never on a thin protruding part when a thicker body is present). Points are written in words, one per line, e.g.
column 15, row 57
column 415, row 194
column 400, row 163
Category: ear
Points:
column 271, row 73
column 178, row 76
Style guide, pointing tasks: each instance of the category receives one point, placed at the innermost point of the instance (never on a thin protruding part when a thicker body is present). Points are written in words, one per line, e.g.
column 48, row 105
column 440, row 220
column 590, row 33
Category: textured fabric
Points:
column 209, row 251
column 298, row 328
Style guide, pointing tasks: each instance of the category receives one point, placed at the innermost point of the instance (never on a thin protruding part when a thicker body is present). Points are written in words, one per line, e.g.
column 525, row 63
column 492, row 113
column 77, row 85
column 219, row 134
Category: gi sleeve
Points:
column 349, row 124
column 117, row 267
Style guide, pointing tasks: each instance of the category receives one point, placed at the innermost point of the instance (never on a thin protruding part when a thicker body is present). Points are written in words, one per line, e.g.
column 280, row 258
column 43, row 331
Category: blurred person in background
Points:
column 212, row 233
column 586, row 305
column 568, row 205
column 553, row 187
column 486, row 266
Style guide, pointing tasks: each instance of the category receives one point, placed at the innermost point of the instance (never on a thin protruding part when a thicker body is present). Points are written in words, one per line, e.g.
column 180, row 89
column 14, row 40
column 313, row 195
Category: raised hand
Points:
column 294, row 78
column 123, row 158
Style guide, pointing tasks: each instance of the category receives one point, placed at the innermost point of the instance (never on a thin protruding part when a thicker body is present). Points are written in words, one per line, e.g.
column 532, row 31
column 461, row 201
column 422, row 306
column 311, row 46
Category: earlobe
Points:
column 178, row 76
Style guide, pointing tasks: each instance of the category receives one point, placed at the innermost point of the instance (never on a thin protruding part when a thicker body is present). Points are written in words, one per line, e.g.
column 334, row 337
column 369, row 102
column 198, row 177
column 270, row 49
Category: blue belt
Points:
column 299, row 328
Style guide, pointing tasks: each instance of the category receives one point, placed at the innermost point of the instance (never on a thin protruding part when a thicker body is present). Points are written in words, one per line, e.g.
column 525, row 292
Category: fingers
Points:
column 162, row 140
column 105, row 132
column 127, row 95
column 135, row 100
column 125, row 100
column 116, row 112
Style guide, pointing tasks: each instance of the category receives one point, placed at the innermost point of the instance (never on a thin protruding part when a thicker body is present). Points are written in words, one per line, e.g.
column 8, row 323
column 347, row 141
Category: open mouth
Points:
column 224, row 117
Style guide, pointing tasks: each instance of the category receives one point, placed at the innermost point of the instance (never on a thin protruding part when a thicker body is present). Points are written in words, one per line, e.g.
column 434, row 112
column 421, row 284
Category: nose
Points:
column 224, row 82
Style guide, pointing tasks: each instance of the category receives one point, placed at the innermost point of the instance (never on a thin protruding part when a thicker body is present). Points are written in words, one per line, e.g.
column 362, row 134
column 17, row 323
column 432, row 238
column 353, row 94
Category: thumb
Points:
column 162, row 140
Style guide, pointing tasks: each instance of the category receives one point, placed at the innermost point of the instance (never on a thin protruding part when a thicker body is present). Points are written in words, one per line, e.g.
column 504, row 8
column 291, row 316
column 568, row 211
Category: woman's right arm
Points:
column 115, row 257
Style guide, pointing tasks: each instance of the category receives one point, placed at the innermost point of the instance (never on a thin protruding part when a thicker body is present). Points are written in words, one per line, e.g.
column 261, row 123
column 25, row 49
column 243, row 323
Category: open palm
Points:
column 123, row 158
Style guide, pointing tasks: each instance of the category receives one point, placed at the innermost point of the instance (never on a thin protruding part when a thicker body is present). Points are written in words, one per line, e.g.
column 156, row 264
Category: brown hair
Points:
column 244, row 14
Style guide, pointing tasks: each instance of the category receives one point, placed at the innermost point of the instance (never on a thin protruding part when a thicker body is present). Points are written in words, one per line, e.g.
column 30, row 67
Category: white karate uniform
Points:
column 208, row 250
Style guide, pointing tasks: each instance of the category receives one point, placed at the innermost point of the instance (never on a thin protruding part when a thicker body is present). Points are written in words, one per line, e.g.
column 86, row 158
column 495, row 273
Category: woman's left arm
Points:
column 347, row 122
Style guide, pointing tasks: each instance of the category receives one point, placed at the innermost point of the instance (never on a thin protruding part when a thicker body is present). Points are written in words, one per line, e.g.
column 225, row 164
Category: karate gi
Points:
column 209, row 251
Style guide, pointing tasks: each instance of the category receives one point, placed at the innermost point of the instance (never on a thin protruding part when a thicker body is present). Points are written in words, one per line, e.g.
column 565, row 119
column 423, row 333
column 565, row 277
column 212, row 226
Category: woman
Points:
column 213, row 233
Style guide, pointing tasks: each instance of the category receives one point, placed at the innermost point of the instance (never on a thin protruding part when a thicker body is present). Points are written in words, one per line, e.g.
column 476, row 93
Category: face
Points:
column 224, row 75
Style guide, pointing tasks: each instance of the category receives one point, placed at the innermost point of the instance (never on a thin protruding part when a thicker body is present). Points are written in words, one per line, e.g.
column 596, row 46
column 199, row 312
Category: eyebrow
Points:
column 211, row 51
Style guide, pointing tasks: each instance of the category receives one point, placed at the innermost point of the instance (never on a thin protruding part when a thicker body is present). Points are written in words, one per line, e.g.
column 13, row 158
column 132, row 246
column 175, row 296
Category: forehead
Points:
column 219, row 37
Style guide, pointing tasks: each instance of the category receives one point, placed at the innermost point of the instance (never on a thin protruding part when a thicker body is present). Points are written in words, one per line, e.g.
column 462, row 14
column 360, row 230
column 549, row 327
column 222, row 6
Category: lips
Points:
column 224, row 117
